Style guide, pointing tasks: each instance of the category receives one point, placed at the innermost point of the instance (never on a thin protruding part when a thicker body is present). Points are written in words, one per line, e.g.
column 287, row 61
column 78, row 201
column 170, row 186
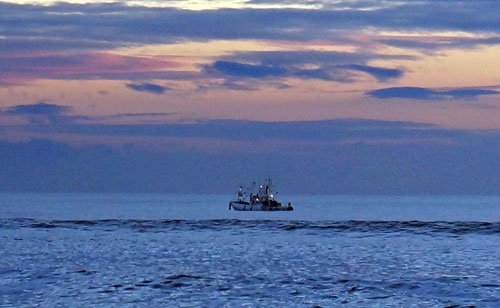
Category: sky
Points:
column 324, row 96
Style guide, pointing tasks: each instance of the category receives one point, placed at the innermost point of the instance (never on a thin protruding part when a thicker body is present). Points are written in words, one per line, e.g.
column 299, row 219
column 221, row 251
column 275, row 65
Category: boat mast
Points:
column 268, row 192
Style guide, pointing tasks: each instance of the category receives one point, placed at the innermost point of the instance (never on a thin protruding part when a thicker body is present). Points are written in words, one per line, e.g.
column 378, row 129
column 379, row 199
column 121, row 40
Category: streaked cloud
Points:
column 436, row 43
column 380, row 73
column 247, row 70
column 147, row 87
column 312, row 57
column 52, row 114
column 140, row 114
column 78, row 66
column 341, row 73
column 418, row 93
column 79, row 41
column 112, row 23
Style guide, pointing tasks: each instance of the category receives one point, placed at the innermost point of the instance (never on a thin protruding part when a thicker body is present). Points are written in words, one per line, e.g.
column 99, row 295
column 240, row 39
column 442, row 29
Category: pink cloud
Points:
column 24, row 68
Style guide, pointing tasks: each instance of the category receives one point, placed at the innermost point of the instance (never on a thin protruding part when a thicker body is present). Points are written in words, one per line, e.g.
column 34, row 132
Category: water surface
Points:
column 173, row 250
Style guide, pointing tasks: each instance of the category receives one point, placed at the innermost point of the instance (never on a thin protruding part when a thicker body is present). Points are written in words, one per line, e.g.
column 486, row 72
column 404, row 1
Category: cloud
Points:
column 301, row 57
column 73, row 41
column 235, row 70
column 147, row 87
column 247, row 70
column 41, row 113
column 81, row 66
column 469, row 93
column 139, row 114
column 331, row 66
column 380, row 73
column 283, row 69
column 77, row 41
column 434, row 43
column 40, row 108
column 285, row 2
column 322, row 65
column 417, row 93
column 50, row 114
column 110, row 25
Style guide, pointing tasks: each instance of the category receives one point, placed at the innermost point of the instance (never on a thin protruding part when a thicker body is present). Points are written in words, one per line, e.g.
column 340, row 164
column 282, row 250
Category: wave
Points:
column 419, row 227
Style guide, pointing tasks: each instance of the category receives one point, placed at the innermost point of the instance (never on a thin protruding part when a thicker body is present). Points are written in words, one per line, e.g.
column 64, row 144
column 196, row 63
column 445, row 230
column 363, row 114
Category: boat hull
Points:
column 245, row 206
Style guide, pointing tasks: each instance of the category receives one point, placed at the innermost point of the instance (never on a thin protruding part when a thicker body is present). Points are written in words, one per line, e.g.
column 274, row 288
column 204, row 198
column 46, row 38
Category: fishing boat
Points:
column 261, row 200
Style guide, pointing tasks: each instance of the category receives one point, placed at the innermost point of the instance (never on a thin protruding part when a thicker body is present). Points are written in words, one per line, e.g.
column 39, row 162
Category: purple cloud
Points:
column 128, row 25
column 42, row 113
column 380, row 73
column 417, row 93
column 341, row 73
column 147, row 87
column 40, row 108
column 247, row 70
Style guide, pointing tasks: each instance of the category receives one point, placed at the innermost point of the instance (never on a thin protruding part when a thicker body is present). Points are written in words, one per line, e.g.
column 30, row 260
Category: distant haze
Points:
column 328, row 157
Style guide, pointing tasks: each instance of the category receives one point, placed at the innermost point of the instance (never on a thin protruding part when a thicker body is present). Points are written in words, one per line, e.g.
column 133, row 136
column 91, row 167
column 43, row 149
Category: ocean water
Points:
column 191, row 251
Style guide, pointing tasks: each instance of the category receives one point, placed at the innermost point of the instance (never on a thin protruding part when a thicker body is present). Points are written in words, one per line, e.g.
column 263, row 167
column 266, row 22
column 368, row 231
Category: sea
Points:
column 162, row 250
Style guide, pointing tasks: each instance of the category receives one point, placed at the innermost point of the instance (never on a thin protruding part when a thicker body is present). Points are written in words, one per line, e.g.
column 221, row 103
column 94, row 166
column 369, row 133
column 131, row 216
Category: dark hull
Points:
column 246, row 206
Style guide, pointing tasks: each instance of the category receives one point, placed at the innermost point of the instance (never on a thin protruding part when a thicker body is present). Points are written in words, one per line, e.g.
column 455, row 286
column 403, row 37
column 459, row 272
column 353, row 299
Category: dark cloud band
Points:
column 92, row 26
column 325, row 71
column 417, row 93
column 40, row 108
